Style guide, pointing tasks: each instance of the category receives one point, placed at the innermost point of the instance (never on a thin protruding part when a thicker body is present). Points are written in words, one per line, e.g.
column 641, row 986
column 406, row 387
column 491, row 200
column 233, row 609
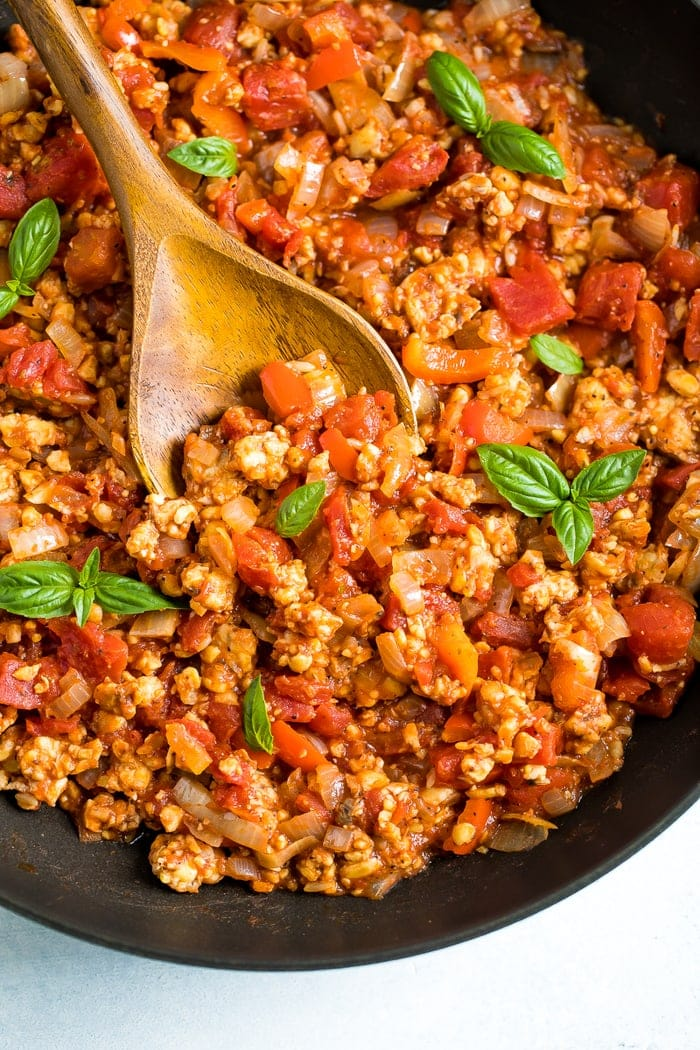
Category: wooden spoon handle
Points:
column 75, row 65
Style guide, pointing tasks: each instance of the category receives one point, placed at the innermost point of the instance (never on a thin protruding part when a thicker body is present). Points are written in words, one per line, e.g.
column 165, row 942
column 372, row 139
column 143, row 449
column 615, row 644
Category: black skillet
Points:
column 643, row 61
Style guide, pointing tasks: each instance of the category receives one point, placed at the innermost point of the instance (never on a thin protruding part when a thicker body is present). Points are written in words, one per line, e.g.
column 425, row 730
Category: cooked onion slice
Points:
column 194, row 798
column 14, row 87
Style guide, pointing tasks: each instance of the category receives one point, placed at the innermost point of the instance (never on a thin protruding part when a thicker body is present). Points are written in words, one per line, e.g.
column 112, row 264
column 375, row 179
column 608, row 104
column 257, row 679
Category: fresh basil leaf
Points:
column 42, row 589
column 608, row 476
column 529, row 480
column 299, row 508
column 573, row 524
column 256, row 721
column 556, row 355
column 521, row 149
column 91, row 569
column 35, row 241
column 458, row 92
column 8, row 300
column 124, row 595
column 83, row 597
column 208, row 156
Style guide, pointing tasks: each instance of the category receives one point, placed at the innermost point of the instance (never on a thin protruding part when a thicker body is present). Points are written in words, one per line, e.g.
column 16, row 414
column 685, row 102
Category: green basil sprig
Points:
column 534, row 485
column 45, row 589
column 459, row 92
column 511, row 145
column 257, row 729
column 557, row 355
column 32, row 247
column 211, row 155
column 299, row 508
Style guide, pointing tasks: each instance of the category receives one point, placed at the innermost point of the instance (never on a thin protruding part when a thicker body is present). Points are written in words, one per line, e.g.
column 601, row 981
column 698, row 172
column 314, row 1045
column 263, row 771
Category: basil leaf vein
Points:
column 211, row 155
column 34, row 241
column 556, row 354
column 299, row 508
column 529, row 480
column 124, row 595
column 257, row 729
column 42, row 589
column 458, row 92
column 608, row 476
column 521, row 149
column 573, row 524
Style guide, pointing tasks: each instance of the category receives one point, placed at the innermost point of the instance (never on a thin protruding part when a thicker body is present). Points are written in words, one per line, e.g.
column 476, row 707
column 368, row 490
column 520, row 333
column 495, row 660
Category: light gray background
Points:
column 614, row 966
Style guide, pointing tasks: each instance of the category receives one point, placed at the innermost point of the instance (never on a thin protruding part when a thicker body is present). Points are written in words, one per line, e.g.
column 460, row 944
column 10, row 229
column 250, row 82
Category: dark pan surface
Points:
column 643, row 62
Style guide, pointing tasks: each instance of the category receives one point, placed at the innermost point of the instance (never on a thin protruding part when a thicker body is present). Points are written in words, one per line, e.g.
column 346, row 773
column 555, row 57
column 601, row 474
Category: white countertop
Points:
column 614, row 966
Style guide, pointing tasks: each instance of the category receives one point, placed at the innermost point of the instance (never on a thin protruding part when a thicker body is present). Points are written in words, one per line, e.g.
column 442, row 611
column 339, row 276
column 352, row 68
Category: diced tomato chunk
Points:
column 13, row 194
column 608, row 293
column 691, row 342
column 93, row 258
column 331, row 719
column 343, row 457
column 284, row 390
column 625, row 684
column 261, row 218
column 676, row 269
column 675, row 478
column 14, row 691
column 505, row 629
column 589, row 341
column 649, row 337
column 260, row 552
column 443, row 518
column 275, row 96
column 335, row 62
column 523, row 574
column 96, row 653
column 530, row 300
column 214, row 24
column 416, row 164
column 661, row 632
column 337, row 517
column 484, row 424
column 28, row 364
column 67, row 170
column 597, row 165
column 358, row 416
column 673, row 187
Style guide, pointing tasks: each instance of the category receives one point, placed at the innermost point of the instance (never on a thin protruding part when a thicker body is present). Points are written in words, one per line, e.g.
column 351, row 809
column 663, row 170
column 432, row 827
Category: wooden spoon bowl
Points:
column 209, row 312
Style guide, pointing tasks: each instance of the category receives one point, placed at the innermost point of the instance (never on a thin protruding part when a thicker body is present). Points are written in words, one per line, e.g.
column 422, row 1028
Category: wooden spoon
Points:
column 209, row 312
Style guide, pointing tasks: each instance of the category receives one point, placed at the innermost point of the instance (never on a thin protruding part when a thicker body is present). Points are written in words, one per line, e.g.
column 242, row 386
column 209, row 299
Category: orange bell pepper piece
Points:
column 209, row 107
column 456, row 651
column 649, row 335
column 203, row 59
column 462, row 840
column 442, row 363
column 294, row 748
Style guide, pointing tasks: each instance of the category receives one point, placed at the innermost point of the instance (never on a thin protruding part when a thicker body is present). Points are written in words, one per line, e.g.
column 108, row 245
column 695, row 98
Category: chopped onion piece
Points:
column 542, row 419
column 431, row 567
column 392, row 657
column 28, row 542
column 240, row 514
column 559, row 393
column 550, row 195
column 401, row 81
column 202, row 831
column 384, row 225
column 268, row 17
column 10, row 518
column 338, row 839
column 379, row 550
column 303, row 825
column 194, row 798
column 237, row 867
column 258, row 625
column 68, row 341
column 555, row 802
column 160, row 623
column 650, row 227
column 330, row 783
column 314, row 739
column 278, row 859
column 607, row 243
column 306, row 190
column 173, row 547
column 487, row 12
column 502, row 594
column 517, row 836
column 530, row 207
column 408, row 591
column 14, row 87
column 426, row 402
column 431, row 223
column 74, row 693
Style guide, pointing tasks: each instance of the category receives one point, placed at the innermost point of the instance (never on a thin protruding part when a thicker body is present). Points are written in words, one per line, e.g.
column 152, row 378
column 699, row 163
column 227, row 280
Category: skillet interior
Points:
column 643, row 67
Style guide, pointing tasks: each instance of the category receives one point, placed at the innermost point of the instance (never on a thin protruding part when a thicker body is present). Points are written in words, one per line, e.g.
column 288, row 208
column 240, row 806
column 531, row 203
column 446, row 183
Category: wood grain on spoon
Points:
column 209, row 312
